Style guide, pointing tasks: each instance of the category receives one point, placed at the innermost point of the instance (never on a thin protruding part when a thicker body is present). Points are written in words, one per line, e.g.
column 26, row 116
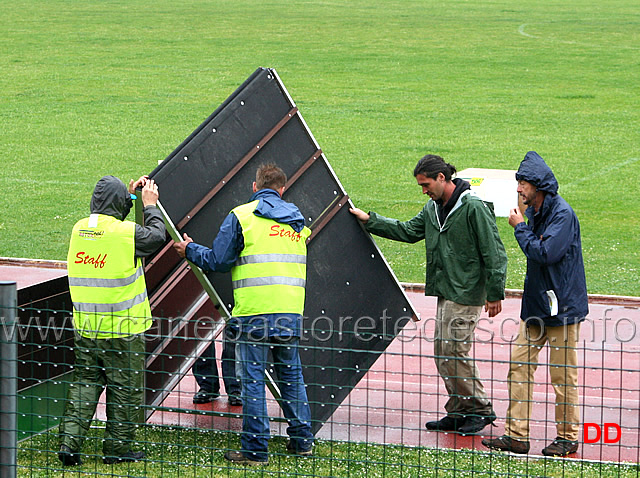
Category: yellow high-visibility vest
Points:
column 270, row 274
column 107, row 286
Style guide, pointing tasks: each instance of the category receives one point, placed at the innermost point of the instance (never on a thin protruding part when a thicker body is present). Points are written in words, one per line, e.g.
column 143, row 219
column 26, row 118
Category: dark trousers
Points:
column 205, row 369
column 117, row 365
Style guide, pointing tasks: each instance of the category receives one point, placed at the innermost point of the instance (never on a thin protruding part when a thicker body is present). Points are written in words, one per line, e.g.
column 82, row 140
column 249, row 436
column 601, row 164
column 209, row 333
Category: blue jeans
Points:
column 253, row 354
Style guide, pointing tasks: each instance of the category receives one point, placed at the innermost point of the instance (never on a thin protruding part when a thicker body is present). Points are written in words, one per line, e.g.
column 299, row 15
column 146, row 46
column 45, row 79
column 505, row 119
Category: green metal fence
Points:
column 379, row 430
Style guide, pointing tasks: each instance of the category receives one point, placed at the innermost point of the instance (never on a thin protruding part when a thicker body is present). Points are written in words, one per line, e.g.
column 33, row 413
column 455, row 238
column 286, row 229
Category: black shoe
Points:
column 505, row 443
column 292, row 450
column 127, row 457
column 238, row 457
column 560, row 447
column 235, row 401
column 475, row 423
column 448, row 423
column 205, row 397
column 69, row 457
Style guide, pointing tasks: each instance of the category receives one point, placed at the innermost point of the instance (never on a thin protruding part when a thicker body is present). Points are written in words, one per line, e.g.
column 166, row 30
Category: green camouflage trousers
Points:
column 117, row 365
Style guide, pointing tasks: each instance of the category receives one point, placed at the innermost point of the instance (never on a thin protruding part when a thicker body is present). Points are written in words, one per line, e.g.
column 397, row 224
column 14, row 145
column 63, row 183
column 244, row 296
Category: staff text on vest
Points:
column 278, row 230
column 84, row 258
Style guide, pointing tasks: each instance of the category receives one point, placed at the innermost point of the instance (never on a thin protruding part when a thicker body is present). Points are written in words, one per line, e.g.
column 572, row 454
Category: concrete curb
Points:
column 622, row 300
column 42, row 263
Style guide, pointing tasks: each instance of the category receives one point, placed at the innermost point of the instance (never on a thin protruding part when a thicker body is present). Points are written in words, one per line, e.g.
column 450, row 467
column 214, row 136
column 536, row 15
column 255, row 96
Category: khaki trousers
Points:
column 454, row 337
column 563, row 370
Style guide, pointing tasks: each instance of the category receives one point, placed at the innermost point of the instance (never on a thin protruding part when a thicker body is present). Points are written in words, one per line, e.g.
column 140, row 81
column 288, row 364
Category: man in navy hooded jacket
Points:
column 553, row 305
column 263, row 244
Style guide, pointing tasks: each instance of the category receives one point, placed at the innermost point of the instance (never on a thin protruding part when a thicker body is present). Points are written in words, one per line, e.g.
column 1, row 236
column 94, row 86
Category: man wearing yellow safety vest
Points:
column 263, row 244
column 110, row 313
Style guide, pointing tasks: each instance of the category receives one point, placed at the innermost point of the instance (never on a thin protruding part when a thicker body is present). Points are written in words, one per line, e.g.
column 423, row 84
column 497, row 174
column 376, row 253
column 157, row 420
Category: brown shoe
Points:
column 505, row 443
column 291, row 449
column 240, row 458
column 560, row 447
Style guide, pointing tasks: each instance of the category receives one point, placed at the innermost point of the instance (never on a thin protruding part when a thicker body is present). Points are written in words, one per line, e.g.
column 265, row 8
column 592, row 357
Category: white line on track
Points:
column 42, row 181
column 521, row 31
column 600, row 173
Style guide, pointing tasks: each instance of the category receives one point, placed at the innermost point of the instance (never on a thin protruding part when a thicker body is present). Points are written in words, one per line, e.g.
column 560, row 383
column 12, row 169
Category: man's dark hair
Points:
column 270, row 176
column 431, row 165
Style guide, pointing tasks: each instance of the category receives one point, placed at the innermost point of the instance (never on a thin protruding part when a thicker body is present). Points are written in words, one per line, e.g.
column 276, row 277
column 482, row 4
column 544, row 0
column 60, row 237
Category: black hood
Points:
column 534, row 170
column 461, row 186
column 111, row 197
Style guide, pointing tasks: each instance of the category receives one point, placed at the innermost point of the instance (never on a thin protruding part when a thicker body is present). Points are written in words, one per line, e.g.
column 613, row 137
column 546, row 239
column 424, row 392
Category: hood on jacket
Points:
column 534, row 170
column 272, row 206
column 111, row 198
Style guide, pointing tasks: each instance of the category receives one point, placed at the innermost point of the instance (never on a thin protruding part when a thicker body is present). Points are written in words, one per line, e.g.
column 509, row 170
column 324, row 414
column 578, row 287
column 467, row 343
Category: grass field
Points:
column 91, row 88
column 175, row 452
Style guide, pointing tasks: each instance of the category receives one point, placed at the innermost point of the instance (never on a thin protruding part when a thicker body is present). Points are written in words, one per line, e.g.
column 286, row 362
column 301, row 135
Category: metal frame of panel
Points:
column 348, row 279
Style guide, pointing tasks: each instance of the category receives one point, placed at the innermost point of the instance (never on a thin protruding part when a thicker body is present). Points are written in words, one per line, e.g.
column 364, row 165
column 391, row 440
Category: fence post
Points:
column 8, row 380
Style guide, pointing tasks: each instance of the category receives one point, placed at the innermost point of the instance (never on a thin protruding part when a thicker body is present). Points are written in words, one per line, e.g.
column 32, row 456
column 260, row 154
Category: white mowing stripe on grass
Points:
column 600, row 173
column 568, row 42
column 43, row 181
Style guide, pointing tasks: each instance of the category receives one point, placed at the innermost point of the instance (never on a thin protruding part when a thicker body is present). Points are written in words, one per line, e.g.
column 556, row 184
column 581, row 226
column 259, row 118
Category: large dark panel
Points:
column 354, row 304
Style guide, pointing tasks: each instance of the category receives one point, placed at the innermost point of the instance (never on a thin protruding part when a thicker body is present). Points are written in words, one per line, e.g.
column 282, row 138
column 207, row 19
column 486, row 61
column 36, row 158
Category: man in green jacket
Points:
column 466, row 269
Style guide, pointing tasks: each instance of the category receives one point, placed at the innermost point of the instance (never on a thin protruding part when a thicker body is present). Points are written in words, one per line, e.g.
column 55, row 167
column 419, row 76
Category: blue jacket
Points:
column 551, row 242
column 227, row 246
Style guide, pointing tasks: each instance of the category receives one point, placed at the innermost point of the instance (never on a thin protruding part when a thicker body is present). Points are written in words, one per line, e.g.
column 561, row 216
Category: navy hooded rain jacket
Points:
column 551, row 242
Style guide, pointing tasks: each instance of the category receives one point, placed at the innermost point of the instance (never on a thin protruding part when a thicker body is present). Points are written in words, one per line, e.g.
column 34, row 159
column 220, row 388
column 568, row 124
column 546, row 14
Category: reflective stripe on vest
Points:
column 107, row 286
column 271, row 280
column 263, row 258
column 94, row 282
column 104, row 308
column 270, row 274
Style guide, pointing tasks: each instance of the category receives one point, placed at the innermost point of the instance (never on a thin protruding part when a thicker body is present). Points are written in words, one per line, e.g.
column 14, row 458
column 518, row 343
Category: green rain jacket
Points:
column 466, row 260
